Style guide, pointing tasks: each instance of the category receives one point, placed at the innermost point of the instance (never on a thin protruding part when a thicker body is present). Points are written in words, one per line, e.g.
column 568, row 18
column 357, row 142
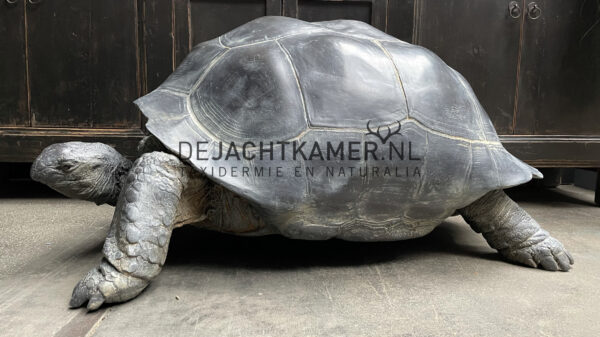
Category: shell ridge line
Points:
column 176, row 118
column 469, row 171
column 441, row 134
column 473, row 99
column 381, row 224
column 353, row 36
column 310, row 127
column 334, row 129
column 398, row 78
column 295, row 72
column 307, row 186
column 263, row 41
column 208, row 69
column 493, row 157
column 222, row 44
column 419, row 188
column 423, row 118
column 173, row 91
column 188, row 107
column 228, row 124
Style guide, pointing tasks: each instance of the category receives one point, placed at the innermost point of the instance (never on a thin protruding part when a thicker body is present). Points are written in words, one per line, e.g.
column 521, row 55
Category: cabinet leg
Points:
column 552, row 177
column 597, row 197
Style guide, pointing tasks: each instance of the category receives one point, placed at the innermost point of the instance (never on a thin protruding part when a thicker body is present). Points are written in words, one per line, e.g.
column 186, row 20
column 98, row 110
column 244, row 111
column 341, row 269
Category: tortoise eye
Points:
column 65, row 166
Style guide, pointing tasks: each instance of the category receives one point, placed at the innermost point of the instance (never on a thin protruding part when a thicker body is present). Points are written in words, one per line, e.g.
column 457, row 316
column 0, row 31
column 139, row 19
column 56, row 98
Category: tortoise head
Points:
column 88, row 171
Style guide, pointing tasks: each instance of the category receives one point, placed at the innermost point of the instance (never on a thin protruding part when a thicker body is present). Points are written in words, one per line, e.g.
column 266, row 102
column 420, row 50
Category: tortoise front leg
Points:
column 514, row 233
column 137, row 243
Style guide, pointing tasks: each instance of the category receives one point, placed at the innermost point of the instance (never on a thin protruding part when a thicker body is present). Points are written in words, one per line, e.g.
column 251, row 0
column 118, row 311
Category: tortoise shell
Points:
column 416, row 143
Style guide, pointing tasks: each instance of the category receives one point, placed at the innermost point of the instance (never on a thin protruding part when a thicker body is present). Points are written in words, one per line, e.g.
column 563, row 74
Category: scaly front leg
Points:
column 514, row 233
column 138, row 240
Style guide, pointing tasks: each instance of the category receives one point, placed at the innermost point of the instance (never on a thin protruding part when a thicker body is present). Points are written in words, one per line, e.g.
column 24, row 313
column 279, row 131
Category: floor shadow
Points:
column 193, row 246
column 16, row 183
column 535, row 194
column 91, row 250
column 27, row 189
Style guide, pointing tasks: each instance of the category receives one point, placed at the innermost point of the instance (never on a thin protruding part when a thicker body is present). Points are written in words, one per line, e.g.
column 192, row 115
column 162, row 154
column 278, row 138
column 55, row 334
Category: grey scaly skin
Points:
column 158, row 192
column 136, row 246
column 137, row 243
column 514, row 233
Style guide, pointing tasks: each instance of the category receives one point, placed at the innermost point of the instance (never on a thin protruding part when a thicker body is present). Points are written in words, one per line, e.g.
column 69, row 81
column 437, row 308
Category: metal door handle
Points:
column 514, row 10
column 533, row 11
column 11, row 2
column 34, row 2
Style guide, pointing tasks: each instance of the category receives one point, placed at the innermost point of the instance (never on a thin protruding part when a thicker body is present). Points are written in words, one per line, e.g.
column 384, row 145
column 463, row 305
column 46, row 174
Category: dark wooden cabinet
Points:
column 72, row 68
column 536, row 72
column 481, row 41
column 169, row 39
column 69, row 71
column 559, row 87
column 82, row 64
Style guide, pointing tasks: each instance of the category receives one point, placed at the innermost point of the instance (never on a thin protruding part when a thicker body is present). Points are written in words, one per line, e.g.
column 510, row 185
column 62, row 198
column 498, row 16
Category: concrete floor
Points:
column 449, row 283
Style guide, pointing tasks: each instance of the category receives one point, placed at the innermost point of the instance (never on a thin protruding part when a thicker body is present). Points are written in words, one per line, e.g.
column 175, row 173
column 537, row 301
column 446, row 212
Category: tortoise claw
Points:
column 105, row 284
column 87, row 290
column 95, row 301
column 548, row 254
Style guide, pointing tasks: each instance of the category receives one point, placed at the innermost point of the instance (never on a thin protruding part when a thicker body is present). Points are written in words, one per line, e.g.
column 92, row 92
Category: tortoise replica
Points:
column 310, row 130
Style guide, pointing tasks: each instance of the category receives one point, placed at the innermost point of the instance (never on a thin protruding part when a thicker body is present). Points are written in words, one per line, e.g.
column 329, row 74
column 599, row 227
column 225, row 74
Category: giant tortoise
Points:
column 309, row 130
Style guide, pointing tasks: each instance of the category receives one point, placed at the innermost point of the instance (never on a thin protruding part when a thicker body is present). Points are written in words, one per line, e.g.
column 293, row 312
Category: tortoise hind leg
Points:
column 137, row 243
column 514, row 233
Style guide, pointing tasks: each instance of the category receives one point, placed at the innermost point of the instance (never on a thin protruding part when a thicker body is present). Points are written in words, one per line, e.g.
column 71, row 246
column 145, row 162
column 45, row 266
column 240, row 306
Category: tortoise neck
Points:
column 120, row 176
column 116, row 183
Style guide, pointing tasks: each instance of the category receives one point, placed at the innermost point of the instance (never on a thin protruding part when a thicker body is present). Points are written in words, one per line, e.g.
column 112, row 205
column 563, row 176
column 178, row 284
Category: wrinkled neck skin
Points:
column 99, row 185
column 109, row 187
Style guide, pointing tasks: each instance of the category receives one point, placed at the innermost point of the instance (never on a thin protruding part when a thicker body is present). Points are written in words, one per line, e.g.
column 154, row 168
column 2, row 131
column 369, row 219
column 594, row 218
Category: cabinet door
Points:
column 369, row 11
column 172, row 28
column 559, row 85
column 197, row 21
column 480, row 39
column 13, row 71
column 83, row 62
column 168, row 38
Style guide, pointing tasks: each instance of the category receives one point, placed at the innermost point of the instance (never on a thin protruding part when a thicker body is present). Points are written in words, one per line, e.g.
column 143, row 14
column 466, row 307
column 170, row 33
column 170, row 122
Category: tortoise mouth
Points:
column 45, row 168
column 87, row 171
column 53, row 174
column 36, row 170
column 41, row 169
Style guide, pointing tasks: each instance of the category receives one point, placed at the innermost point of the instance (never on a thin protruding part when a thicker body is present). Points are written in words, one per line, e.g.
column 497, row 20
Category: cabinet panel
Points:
column 480, row 40
column 369, row 11
column 331, row 10
column 559, row 85
column 201, row 20
column 114, row 64
column 158, row 42
column 13, row 77
column 83, row 63
column 400, row 19
column 210, row 19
